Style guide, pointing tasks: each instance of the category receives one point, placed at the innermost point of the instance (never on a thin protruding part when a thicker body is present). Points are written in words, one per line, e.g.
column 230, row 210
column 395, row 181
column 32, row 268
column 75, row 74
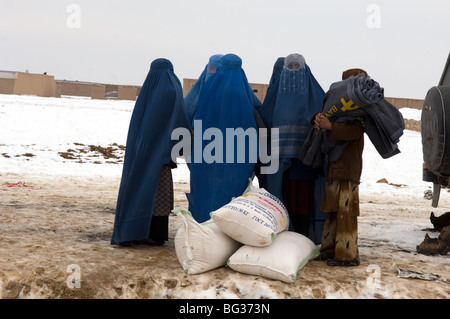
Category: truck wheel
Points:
column 435, row 126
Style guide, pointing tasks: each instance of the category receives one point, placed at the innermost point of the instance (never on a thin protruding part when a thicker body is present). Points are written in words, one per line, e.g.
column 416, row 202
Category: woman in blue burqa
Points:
column 215, row 175
column 265, row 111
column 191, row 98
column 298, row 97
column 145, row 197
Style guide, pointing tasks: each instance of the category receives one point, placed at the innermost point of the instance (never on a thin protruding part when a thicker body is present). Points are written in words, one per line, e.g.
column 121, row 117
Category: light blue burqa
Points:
column 299, row 96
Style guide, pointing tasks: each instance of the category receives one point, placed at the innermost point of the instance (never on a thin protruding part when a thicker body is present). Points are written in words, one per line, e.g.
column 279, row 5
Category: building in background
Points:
column 25, row 83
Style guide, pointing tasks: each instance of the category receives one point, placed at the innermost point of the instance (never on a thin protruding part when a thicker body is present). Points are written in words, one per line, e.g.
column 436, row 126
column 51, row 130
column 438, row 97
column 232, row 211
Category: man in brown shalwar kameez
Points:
column 341, row 200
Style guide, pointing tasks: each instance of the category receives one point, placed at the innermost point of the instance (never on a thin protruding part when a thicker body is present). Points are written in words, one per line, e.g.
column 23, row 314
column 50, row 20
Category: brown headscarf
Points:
column 348, row 73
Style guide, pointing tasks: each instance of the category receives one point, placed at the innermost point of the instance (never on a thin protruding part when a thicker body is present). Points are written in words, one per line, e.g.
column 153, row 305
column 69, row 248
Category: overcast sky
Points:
column 403, row 44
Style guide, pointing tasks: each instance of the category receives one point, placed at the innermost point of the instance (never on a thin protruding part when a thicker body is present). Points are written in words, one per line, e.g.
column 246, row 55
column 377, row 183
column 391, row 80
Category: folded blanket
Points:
column 358, row 99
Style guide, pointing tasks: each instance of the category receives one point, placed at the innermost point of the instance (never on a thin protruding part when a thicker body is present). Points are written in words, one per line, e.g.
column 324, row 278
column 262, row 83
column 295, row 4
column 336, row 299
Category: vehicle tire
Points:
column 428, row 176
column 435, row 126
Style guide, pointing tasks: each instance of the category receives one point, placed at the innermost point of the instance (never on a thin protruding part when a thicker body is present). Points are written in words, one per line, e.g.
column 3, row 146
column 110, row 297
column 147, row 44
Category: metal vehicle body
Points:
column 435, row 130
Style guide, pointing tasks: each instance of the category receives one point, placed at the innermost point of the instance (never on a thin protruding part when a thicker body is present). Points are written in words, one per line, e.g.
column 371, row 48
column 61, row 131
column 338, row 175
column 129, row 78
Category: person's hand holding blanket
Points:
column 321, row 121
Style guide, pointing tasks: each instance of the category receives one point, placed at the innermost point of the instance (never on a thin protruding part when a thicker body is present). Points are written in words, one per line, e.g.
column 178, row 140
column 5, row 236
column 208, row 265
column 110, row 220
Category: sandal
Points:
column 324, row 255
column 343, row 263
column 151, row 242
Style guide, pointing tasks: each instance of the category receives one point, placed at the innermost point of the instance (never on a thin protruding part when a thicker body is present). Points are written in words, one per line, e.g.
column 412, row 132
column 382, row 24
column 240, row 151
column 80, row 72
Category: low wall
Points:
column 126, row 93
column 7, row 86
column 187, row 85
column 98, row 91
column 87, row 89
column 111, row 87
column 35, row 84
column 46, row 86
column 75, row 88
column 413, row 125
column 22, row 83
column 259, row 90
column 401, row 103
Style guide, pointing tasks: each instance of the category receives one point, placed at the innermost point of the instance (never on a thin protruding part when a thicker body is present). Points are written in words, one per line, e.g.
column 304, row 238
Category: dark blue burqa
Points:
column 299, row 96
column 159, row 109
column 265, row 110
column 191, row 98
column 226, row 102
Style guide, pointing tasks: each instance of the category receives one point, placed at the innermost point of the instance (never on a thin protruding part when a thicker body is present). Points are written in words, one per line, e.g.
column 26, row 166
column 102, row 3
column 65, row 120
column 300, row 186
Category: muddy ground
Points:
column 55, row 243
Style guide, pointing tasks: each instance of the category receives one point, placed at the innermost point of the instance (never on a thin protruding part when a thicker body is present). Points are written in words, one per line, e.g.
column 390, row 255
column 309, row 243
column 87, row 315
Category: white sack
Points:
column 202, row 247
column 281, row 261
column 255, row 218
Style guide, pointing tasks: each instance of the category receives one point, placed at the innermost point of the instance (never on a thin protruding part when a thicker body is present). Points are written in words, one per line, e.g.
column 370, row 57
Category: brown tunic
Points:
column 341, row 199
column 349, row 165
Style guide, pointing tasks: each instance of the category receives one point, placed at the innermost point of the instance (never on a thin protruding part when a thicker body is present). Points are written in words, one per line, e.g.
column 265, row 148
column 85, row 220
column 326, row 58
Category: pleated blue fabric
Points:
column 191, row 98
column 159, row 109
column 216, row 175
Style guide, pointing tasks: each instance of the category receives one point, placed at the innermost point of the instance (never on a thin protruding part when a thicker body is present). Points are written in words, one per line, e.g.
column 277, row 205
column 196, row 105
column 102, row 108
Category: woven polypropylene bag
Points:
column 202, row 247
column 280, row 261
column 255, row 218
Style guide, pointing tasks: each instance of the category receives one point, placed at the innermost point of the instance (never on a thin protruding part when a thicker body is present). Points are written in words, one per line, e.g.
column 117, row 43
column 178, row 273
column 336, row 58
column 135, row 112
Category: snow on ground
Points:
column 57, row 209
column 45, row 127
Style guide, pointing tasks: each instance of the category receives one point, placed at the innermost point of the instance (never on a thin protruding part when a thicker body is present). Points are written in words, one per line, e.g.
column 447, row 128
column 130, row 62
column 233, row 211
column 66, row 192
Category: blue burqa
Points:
column 226, row 102
column 191, row 98
column 159, row 109
column 265, row 110
column 298, row 98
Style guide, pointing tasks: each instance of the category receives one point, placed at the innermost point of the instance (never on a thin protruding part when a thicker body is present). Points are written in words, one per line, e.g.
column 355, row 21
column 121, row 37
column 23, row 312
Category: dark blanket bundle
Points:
column 358, row 99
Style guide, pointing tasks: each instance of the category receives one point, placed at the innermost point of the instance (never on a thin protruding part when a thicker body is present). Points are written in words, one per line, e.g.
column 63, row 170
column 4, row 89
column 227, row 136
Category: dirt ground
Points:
column 55, row 243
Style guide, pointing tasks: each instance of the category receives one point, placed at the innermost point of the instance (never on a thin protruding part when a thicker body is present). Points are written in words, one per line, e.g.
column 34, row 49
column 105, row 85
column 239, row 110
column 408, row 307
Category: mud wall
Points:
column 7, row 86
column 75, row 88
column 35, row 84
column 126, row 93
column 46, row 86
column 23, row 83
column 401, row 103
